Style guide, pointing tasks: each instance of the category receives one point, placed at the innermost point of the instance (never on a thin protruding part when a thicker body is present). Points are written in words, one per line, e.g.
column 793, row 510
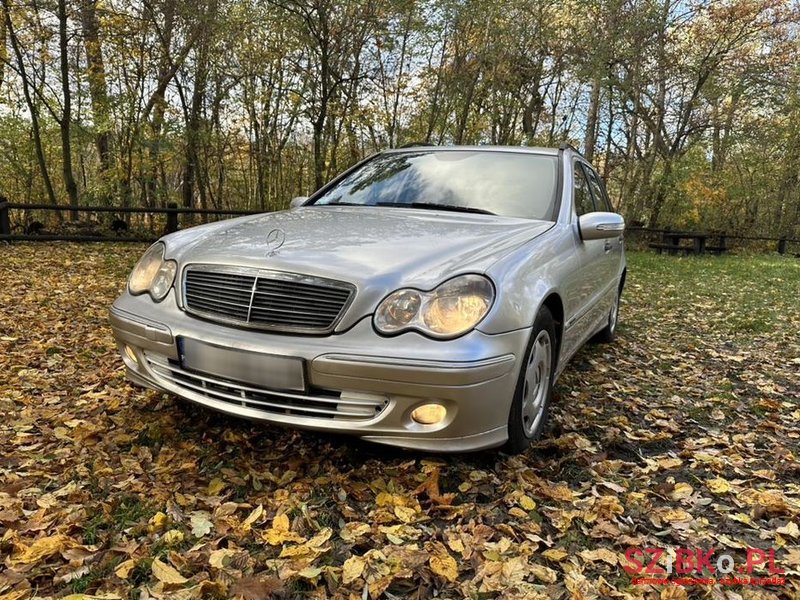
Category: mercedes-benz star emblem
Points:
column 275, row 240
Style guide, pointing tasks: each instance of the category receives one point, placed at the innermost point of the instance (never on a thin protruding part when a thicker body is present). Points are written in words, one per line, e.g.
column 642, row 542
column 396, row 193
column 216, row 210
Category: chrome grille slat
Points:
column 299, row 308
column 278, row 297
column 216, row 288
column 263, row 299
column 293, row 311
column 277, row 402
column 244, row 305
column 279, row 286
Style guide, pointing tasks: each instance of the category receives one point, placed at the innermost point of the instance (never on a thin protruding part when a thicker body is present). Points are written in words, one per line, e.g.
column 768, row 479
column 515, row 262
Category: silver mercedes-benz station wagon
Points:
column 427, row 298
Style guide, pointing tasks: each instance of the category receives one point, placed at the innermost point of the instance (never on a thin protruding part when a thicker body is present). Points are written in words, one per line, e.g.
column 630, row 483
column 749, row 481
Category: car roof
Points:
column 432, row 148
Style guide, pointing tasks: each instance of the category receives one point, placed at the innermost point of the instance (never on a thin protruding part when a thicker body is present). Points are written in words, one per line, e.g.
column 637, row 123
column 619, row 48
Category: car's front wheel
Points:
column 534, row 390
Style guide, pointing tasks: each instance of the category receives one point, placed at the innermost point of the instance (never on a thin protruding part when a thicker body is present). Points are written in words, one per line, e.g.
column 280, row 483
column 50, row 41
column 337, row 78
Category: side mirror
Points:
column 298, row 201
column 600, row 225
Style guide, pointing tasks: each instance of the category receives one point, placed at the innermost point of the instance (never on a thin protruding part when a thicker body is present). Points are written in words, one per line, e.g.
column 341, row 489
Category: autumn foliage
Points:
column 683, row 434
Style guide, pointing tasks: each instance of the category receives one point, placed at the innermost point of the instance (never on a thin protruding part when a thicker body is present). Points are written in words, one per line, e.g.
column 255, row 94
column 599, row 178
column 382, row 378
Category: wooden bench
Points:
column 672, row 248
column 721, row 248
column 671, row 242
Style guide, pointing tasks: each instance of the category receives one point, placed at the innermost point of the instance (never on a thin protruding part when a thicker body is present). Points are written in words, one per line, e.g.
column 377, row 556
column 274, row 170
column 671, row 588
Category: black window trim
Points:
column 578, row 163
column 590, row 172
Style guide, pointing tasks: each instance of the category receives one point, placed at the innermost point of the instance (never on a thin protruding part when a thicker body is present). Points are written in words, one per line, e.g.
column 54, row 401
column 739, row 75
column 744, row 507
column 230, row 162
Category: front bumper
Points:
column 473, row 377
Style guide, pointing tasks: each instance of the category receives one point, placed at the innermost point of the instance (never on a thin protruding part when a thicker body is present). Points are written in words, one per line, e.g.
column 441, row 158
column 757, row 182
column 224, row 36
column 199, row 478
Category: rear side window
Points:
column 583, row 198
column 599, row 192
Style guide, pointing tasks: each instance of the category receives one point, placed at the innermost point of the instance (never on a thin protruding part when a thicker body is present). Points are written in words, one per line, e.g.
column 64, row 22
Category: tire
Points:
column 609, row 333
column 531, row 404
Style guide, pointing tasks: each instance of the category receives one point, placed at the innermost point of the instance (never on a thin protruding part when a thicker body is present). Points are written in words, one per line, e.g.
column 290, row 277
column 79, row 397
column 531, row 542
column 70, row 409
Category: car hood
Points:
column 378, row 249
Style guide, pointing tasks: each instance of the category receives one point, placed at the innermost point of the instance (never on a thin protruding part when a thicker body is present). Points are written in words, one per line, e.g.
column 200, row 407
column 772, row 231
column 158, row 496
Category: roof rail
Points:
column 415, row 144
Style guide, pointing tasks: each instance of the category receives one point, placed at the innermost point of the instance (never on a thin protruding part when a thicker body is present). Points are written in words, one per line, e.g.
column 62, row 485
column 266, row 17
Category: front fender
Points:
column 526, row 277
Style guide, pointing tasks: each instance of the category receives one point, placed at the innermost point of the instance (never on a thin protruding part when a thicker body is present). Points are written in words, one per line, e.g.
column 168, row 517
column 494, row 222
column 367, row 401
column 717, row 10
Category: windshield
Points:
column 511, row 184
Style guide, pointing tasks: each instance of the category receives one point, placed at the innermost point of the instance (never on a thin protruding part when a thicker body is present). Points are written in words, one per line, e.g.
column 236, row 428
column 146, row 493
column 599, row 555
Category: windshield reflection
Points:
column 512, row 184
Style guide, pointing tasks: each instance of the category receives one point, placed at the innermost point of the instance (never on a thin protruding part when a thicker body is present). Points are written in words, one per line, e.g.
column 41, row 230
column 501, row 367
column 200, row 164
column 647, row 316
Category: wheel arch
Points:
column 555, row 305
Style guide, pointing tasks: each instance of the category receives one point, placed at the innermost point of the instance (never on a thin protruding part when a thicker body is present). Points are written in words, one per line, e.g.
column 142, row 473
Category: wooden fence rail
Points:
column 173, row 212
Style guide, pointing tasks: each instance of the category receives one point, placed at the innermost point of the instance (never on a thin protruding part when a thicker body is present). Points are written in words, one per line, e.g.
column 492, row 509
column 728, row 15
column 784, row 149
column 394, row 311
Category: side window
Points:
column 599, row 192
column 583, row 198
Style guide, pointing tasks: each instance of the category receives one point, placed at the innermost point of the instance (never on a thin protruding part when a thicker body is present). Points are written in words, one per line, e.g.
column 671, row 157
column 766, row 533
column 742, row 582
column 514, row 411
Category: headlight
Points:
column 153, row 274
column 450, row 310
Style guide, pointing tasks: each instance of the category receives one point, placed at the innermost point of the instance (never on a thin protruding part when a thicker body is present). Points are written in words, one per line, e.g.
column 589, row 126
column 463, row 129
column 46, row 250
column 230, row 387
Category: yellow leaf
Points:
column 252, row 518
column 527, row 503
column 444, row 565
column 352, row 569
column 158, row 521
column 217, row 557
column 682, row 490
column 559, row 492
column 43, row 548
column 276, row 537
column 405, row 514
column 215, row 486
column 742, row 518
column 323, row 536
column 718, row 486
column 603, row 554
column 670, row 463
column 789, row 529
column 543, row 573
column 729, row 542
column 676, row 515
column 310, row 572
column 173, row 537
column 167, row 574
column 354, row 530
column 555, row 554
column 124, row 569
column 311, row 547
column 279, row 533
column 456, row 545
column 281, row 522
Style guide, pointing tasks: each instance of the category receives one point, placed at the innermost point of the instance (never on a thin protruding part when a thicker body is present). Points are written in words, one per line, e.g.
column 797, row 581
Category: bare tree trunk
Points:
column 660, row 195
column 590, row 139
column 324, row 96
column 32, row 108
column 157, row 194
column 3, row 47
column 66, row 115
column 98, row 90
column 191, row 171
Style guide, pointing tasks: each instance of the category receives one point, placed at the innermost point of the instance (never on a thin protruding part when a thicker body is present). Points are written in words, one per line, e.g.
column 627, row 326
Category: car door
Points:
column 612, row 255
column 585, row 285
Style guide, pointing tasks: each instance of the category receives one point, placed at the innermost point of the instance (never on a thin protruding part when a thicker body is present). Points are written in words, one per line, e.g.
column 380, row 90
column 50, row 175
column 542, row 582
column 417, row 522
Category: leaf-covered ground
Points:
column 683, row 434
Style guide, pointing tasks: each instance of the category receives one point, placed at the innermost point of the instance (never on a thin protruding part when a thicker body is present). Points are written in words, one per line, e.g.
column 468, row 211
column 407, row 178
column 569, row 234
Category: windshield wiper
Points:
column 433, row 206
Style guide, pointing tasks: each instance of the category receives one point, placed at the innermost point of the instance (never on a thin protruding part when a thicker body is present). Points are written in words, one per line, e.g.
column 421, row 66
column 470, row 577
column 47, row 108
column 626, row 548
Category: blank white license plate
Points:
column 264, row 370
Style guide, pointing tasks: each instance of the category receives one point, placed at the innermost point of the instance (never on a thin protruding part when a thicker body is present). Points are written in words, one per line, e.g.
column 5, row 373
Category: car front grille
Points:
column 322, row 405
column 265, row 299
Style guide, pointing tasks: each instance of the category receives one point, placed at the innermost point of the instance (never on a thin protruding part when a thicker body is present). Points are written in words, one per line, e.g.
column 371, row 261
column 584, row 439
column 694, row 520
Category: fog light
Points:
column 131, row 354
column 429, row 414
